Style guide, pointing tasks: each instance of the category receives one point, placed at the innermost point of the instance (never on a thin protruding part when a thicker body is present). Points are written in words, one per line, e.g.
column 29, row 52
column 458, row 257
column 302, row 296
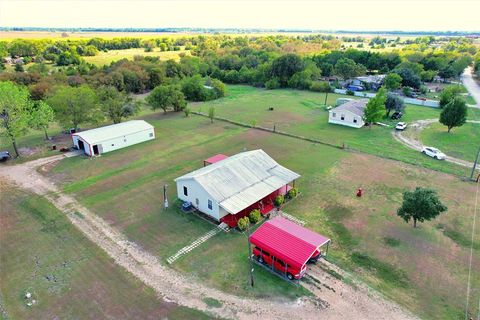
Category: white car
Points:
column 401, row 126
column 434, row 153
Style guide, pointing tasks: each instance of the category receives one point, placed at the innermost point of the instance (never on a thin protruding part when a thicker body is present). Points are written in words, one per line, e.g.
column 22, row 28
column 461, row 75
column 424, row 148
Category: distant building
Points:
column 349, row 113
column 366, row 83
column 116, row 136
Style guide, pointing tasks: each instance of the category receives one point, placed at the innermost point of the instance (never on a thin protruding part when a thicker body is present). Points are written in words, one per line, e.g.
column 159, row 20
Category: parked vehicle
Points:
column 401, row 126
column 434, row 153
column 264, row 257
column 4, row 155
column 396, row 115
column 316, row 255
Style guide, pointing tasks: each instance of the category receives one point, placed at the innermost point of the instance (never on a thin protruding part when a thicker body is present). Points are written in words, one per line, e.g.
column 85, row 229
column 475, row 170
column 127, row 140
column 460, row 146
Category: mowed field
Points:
column 68, row 276
column 424, row 269
column 303, row 113
column 105, row 58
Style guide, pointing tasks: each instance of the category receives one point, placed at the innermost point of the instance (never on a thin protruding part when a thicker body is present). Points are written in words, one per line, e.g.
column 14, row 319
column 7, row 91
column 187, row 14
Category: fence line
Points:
column 291, row 135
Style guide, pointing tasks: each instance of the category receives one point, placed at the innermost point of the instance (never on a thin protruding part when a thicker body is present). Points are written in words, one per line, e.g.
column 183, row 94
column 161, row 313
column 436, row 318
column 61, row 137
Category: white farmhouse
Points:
column 116, row 136
column 232, row 187
column 349, row 114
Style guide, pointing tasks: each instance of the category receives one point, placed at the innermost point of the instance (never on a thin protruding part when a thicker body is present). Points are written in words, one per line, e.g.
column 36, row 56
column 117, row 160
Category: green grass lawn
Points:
column 303, row 113
column 125, row 188
column 104, row 58
column 69, row 277
column 462, row 142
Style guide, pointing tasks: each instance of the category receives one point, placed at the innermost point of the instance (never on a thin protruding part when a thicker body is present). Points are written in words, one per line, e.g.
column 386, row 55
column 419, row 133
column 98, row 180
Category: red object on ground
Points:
column 215, row 158
column 288, row 241
column 359, row 192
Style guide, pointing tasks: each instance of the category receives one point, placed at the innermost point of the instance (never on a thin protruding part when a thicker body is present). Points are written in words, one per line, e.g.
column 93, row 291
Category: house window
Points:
column 210, row 205
column 342, row 117
column 113, row 145
column 334, row 114
column 197, row 202
column 354, row 120
column 185, row 191
column 150, row 134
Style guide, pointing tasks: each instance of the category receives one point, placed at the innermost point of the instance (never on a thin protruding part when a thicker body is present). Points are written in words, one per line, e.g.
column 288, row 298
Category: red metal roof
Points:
column 288, row 241
column 215, row 158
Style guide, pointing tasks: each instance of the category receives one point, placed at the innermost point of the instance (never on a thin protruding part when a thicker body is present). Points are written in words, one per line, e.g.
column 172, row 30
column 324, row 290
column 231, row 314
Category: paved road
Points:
column 472, row 86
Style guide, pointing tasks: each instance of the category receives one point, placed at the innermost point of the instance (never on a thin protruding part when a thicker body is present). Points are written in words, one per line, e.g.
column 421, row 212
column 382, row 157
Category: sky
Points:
column 369, row 15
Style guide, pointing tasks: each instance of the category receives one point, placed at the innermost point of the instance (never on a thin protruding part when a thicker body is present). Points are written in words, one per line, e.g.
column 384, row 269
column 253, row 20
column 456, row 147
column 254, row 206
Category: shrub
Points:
column 272, row 84
column 254, row 216
column 243, row 223
column 279, row 200
column 292, row 193
column 350, row 93
column 187, row 111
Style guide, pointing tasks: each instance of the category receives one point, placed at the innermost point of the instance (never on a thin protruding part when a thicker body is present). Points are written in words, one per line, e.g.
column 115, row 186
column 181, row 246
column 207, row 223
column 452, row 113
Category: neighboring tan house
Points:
column 349, row 113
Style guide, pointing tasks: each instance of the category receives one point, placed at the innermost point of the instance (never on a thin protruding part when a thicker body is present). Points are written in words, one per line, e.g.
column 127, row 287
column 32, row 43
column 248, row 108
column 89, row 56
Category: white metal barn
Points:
column 230, row 188
column 116, row 136
column 349, row 114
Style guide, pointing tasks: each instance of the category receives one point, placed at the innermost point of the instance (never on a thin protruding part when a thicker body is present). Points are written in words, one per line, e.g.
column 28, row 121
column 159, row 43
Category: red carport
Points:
column 288, row 241
column 214, row 159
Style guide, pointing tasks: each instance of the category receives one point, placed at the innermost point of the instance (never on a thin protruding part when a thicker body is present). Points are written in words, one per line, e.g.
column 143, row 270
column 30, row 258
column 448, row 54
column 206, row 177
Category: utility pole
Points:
column 250, row 257
column 475, row 164
column 165, row 199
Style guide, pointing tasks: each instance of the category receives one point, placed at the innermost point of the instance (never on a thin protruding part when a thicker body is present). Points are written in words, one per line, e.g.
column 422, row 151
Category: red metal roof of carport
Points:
column 288, row 241
column 215, row 158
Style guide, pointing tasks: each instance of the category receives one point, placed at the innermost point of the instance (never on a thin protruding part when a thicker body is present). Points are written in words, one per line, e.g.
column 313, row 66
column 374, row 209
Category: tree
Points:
column 420, row 205
column 167, row 96
column 393, row 81
column 42, row 116
column 75, row 105
column 159, row 98
column 409, row 78
column 284, row 67
column 114, row 104
column 321, row 86
column 394, row 102
column 19, row 67
column 454, row 114
column 211, row 113
column 375, row 107
column 347, row 68
column 15, row 106
column 177, row 99
column 448, row 93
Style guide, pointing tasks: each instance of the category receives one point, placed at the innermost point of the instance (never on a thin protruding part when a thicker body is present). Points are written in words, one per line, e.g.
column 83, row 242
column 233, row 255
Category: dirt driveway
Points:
column 410, row 138
column 341, row 301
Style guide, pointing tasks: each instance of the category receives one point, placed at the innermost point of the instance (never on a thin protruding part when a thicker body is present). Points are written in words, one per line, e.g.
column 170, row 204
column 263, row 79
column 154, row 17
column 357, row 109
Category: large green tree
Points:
column 394, row 102
column 375, row 107
column 114, row 104
column 393, row 81
column 164, row 97
column 42, row 116
column 74, row 106
column 347, row 68
column 420, row 205
column 454, row 114
column 448, row 93
column 15, row 107
column 286, row 66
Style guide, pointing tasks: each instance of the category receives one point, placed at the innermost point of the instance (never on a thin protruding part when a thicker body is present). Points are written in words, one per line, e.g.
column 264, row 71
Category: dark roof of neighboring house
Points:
column 355, row 106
